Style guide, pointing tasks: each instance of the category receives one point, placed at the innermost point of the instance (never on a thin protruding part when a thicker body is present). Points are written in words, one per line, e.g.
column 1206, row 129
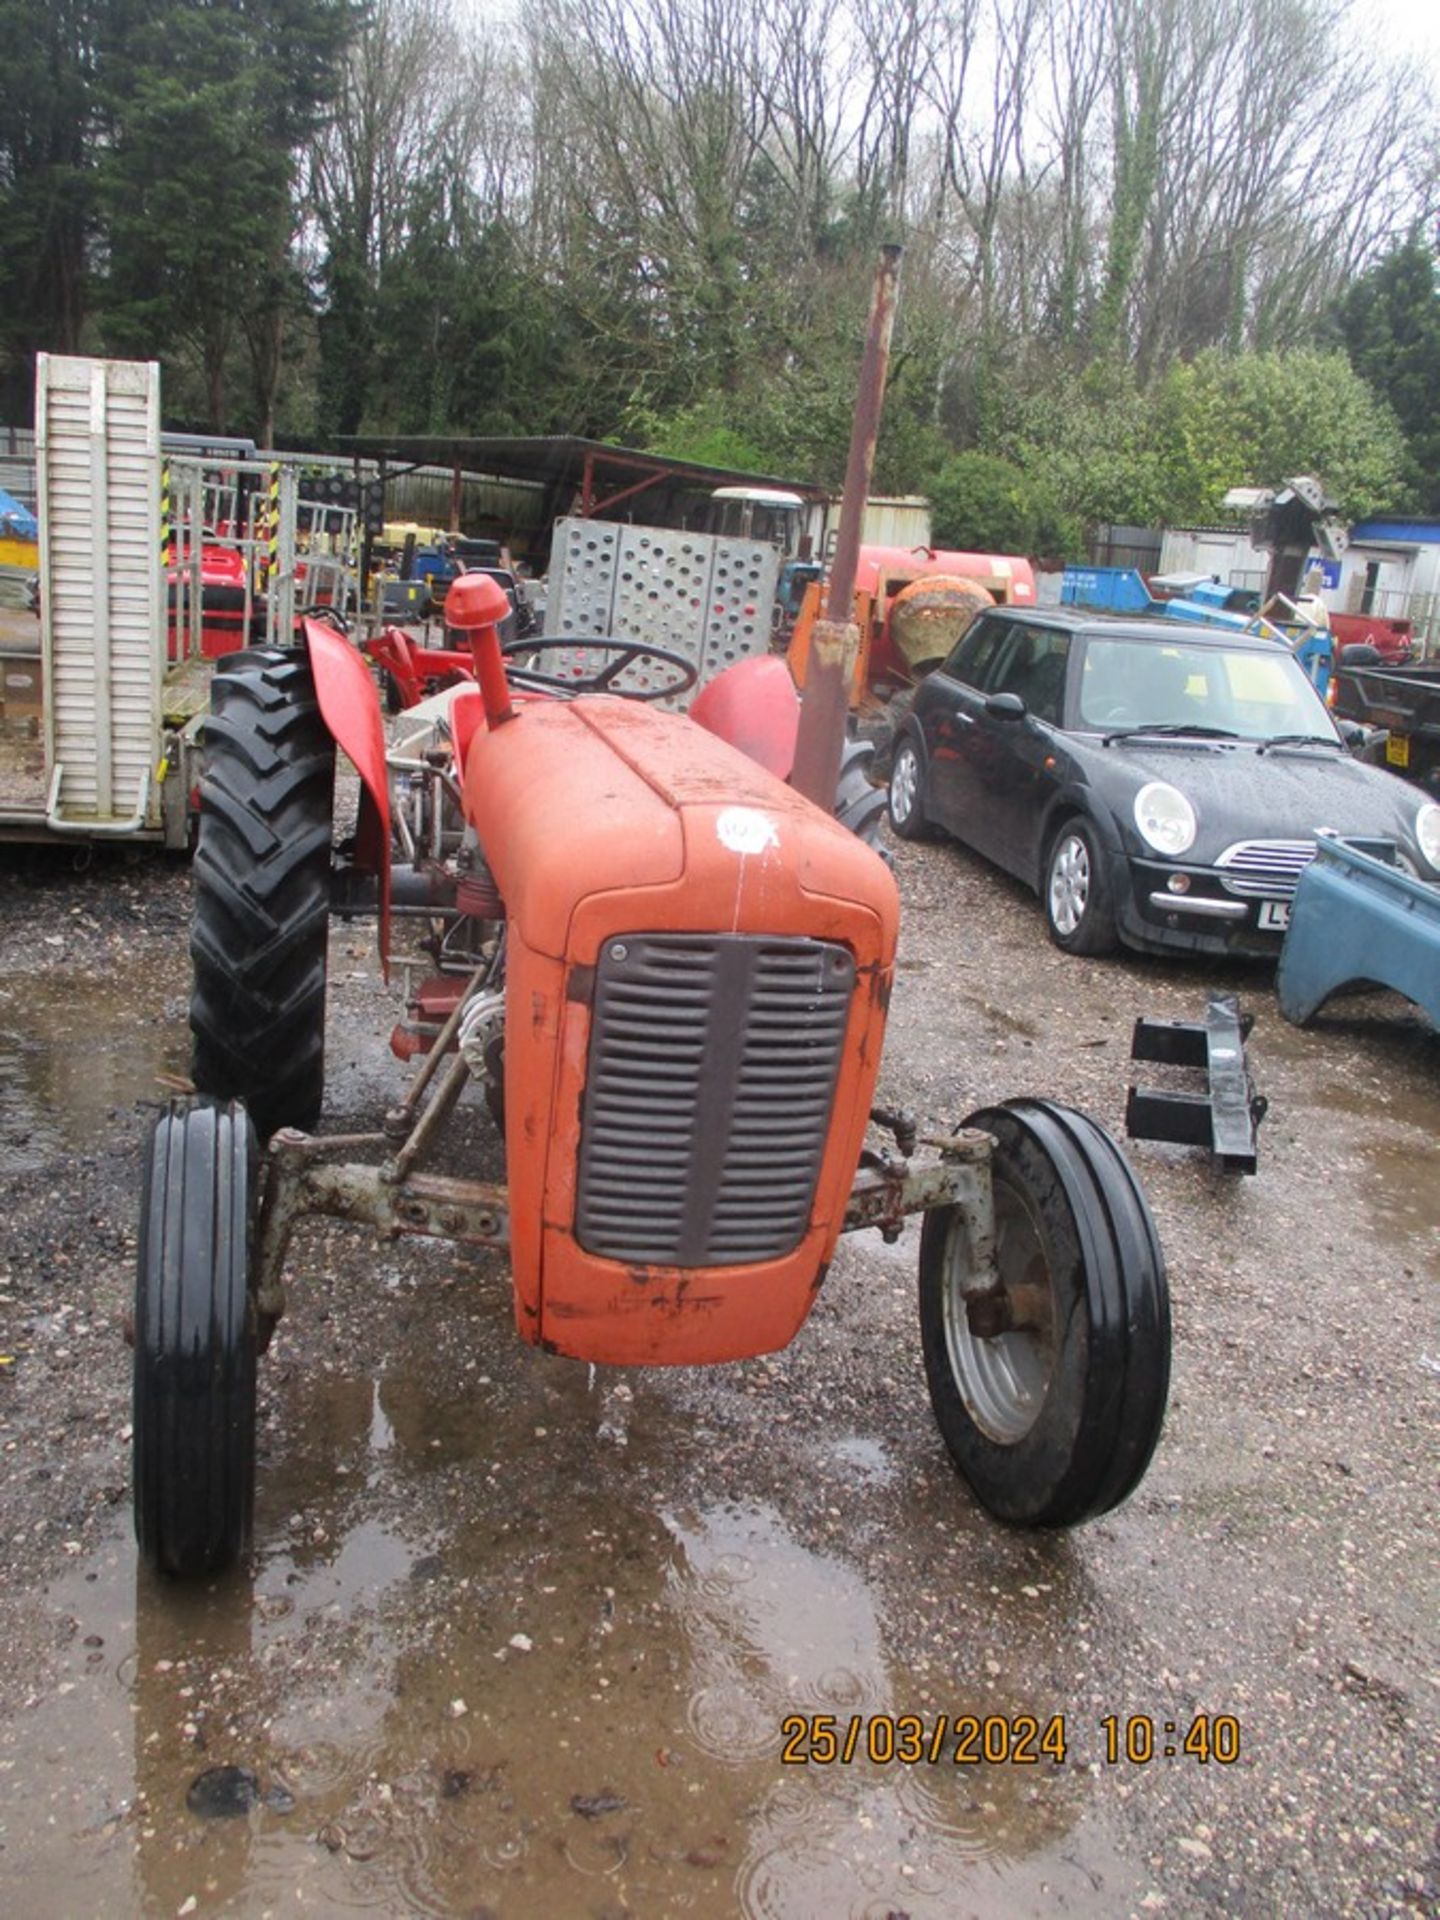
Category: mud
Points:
column 520, row 1638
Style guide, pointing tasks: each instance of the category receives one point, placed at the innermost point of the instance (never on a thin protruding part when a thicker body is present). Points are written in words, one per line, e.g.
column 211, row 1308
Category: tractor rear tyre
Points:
column 195, row 1343
column 262, row 891
column 884, row 729
column 1049, row 1393
column 859, row 805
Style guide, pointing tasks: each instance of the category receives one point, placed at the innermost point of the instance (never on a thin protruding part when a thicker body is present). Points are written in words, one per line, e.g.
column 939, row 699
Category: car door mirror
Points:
column 1005, row 706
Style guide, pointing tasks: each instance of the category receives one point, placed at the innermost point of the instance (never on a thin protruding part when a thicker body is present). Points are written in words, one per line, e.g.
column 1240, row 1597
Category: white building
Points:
column 1391, row 567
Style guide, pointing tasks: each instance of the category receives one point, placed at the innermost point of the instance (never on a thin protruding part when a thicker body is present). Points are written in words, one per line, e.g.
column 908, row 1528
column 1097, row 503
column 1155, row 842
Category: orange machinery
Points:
column 885, row 580
column 669, row 974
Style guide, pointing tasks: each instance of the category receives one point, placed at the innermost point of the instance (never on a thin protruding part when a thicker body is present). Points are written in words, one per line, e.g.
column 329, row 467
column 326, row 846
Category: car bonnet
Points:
column 1241, row 793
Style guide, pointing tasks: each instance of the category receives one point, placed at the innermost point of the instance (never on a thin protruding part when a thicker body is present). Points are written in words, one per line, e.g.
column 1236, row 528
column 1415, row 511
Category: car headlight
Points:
column 1166, row 819
column 1427, row 832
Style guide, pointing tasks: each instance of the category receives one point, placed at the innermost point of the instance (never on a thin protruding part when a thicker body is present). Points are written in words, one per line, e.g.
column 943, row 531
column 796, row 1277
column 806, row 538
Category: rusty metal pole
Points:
column 835, row 639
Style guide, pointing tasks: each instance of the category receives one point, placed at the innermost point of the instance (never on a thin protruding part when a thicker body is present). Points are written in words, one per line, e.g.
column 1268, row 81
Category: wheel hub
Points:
column 904, row 781
column 1069, row 884
column 1001, row 1341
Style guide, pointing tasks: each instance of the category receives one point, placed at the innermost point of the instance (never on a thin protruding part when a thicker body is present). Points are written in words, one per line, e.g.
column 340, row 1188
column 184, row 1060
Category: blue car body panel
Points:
column 1359, row 921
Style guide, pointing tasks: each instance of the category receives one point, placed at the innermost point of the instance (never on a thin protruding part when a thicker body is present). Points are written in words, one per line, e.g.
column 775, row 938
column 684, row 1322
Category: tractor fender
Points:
column 753, row 705
column 350, row 707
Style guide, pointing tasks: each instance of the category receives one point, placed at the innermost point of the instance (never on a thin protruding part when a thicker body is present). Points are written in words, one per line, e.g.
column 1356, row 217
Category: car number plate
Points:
column 1274, row 916
column 1397, row 750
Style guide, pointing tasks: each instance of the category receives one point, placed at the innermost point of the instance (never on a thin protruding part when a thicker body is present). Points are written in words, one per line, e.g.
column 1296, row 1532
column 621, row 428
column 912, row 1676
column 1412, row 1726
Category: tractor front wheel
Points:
column 262, row 891
column 1049, row 1389
column 195, row 1343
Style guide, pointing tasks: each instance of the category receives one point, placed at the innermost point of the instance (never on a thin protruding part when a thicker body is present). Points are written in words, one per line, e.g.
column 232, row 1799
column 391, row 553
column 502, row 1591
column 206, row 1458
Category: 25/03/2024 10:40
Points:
column 1022, row 1739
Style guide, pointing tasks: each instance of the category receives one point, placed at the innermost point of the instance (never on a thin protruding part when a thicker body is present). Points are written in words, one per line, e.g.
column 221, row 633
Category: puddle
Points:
column 1367, row 1077
column 458, row 1703
column 1403, row 1208
column 510, row 1644
column 73, row 1050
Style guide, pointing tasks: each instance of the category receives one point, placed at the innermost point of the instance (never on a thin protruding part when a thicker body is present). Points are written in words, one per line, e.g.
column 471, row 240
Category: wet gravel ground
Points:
column 519, row 1640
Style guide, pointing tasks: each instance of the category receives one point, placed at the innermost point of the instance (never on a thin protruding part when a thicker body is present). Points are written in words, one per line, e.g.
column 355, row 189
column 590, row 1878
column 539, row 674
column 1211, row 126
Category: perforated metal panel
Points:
column 695, row 594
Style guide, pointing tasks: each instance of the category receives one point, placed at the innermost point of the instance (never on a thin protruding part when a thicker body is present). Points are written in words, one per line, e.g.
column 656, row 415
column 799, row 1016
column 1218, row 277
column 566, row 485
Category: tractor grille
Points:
column 713, row 1061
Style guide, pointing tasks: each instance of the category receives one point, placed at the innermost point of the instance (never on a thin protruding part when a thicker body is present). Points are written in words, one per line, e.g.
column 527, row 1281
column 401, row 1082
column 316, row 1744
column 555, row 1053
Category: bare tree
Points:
column 1076, row 54
column 657, row 130
column 403, row 112
column 690, row 183
column 808, row 69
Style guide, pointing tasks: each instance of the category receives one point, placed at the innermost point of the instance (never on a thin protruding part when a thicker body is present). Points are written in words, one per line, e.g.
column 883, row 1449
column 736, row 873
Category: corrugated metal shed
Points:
column 590, row 479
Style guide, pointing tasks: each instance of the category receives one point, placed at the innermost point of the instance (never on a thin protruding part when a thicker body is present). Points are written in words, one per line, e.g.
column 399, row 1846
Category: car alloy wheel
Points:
column 1070, row 883
column 1078, row 909
column 907, row 805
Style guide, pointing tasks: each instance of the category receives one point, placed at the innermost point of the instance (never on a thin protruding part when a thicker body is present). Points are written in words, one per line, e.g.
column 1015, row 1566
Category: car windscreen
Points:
column 1243, row 691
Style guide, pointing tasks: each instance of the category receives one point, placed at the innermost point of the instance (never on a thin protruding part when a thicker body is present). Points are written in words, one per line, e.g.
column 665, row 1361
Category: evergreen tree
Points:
column 47, row 200
column 208, row 105
column 1389, row 320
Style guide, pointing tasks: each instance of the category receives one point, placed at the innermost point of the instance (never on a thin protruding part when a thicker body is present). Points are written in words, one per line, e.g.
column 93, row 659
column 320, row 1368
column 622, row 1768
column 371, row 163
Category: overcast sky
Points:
column 1411, row 26
column 1414, row 23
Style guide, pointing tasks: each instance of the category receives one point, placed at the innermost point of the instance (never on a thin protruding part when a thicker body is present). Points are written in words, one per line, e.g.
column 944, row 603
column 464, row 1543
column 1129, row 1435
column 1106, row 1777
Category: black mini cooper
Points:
column 1155, row 783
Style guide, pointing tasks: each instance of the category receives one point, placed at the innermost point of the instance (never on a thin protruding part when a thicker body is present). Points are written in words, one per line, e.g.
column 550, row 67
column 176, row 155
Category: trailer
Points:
column 89, row 729
column 104, row 686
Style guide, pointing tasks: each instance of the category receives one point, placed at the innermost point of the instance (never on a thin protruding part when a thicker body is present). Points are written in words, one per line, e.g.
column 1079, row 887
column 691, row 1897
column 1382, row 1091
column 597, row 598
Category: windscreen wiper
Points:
column 1300, row 740
column 1173, row 730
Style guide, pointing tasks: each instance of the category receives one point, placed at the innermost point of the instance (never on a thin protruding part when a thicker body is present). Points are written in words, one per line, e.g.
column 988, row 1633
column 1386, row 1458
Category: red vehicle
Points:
column 1393, row 640
column 225, row 602
column 669, row 973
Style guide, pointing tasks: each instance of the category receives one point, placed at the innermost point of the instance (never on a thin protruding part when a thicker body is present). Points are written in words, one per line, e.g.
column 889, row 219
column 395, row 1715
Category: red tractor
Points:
column 669, row 973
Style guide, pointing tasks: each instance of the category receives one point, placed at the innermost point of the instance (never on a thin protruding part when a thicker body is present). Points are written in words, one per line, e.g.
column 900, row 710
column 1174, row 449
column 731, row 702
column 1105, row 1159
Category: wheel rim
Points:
column 1003, row 1379
column 1069, row 884
column 904, row 783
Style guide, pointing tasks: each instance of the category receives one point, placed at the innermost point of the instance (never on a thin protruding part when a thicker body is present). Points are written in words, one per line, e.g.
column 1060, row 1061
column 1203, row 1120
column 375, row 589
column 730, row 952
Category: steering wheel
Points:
column 684, row 673
column 327, row 615
column 1119, row 716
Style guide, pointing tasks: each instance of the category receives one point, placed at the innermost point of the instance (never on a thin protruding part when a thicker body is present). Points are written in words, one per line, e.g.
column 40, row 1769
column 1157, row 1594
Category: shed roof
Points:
column 603, row 474
column 1383, row 527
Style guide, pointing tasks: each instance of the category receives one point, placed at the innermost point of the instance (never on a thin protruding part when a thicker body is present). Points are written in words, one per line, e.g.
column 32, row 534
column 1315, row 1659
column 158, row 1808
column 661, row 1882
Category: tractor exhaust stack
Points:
column 835, row 638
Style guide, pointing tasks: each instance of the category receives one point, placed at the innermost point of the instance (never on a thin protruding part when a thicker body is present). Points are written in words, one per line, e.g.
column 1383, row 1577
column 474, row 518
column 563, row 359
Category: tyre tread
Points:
column 1121, row 1289
column 262, row 891
column 195, row 1343
column 859, row 804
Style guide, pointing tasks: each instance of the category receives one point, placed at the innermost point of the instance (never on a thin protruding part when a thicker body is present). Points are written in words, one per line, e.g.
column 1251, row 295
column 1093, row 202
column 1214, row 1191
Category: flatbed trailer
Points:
column 29, row 797
column 103, row 693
